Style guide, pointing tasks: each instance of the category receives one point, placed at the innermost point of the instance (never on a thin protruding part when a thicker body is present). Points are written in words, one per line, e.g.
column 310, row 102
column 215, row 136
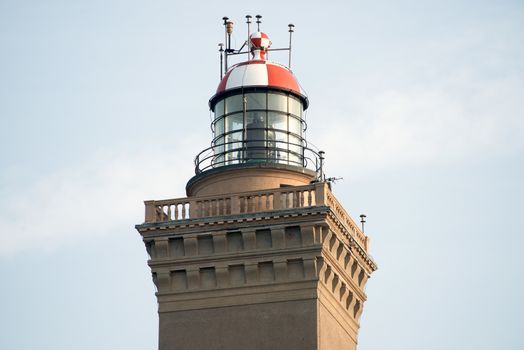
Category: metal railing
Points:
column 257, row 152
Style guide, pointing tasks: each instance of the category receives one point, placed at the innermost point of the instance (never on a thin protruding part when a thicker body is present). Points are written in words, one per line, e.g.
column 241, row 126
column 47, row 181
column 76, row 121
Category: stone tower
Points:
column 260, row 254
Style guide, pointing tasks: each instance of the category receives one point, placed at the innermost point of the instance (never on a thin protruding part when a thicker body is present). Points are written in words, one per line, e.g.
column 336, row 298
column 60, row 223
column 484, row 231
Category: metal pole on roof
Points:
column 321, row 159
column 291, row 26
column 362, row 221
column 221, row 50
column 248, row 21
column 225, row 19
column 244, row 122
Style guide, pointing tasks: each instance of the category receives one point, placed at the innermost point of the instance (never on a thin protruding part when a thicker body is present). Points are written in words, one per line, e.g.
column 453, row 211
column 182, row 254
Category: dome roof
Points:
column 259, row 73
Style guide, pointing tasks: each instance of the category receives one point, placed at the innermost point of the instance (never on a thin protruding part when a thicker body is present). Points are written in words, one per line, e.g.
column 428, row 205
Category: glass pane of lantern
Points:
column 218, row 160
column 255, row 137
column 295, row 126
column 295, row 150
column 280, row 155
column 219, row 109
column 234, row 147
column 256, row 119
column 234, row 122
column 270, row 137
column 294, row 141
column 219, row 149
column 234, row 104
column 277, row 121
column 256, row 101
column 295, row 106
column 219, row 127
column 219, row 145
column 280, row 136
column 279, row 139
column 272, row 146
column 294, row 159
column 277, row 102
column 234, row 140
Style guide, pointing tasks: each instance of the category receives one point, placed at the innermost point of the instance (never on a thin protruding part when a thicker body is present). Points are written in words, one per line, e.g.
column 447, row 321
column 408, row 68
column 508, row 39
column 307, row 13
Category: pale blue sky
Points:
column 418, row 105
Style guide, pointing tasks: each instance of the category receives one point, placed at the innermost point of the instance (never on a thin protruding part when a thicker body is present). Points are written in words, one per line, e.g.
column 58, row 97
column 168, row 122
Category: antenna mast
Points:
column 291, row 26
column 248, row 21
column 362, row 221
column 321, row 159
column 226, row 50
column 225, row 19
column 221, row 50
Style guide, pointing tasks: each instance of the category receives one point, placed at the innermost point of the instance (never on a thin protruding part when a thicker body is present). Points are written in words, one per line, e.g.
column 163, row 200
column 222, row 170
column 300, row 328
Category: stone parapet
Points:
column 277, row 199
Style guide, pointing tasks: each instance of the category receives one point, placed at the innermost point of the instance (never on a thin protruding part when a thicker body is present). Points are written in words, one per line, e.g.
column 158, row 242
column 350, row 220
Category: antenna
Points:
column 221, row 50
column 248, row 21
column 363, row 221
column 226, row 50
column 229, row 30
column 225, row 19
column 291, row 26
column 321, row 158
column 244, row 122
column 334, row 179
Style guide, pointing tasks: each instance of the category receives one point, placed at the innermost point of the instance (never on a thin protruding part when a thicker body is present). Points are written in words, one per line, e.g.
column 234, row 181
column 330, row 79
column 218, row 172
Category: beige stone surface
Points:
column 247, row 179
column 332, row 334
column 279, row 268
column 282, row 325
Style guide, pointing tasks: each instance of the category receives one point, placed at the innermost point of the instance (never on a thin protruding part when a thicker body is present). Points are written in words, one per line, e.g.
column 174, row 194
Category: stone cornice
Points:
column 231, row 222
column 241, row 295
column 353, row 244
column 217, row 222
column 229, row 257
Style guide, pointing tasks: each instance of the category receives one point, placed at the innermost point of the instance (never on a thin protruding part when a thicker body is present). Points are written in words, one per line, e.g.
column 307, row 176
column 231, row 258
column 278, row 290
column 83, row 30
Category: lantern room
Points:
column 257, row 112
column 258, row 115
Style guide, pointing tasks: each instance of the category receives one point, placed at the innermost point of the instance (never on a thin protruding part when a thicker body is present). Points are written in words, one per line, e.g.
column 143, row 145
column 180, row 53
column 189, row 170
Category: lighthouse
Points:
column 260, row 254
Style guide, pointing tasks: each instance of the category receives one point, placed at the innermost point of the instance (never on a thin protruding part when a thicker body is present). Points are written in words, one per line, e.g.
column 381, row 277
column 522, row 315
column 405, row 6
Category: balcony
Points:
column 284, row 198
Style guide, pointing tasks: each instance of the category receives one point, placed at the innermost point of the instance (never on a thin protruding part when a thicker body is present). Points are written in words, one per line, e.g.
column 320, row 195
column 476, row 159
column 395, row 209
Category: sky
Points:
column 417, row 104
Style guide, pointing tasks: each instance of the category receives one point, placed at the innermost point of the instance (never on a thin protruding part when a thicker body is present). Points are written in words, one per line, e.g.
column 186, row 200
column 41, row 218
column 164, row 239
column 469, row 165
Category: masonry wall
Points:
column 278, row 279
column 332, row 333
column 282, row 325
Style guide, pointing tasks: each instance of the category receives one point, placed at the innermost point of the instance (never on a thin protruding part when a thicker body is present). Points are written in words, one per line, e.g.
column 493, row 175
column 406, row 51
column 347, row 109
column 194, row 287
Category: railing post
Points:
column 235, row 205
column 162, row 213
column 249, row 204
column 277, row 201
column 193, row 209
column 320, row 193
column 227, row 206
column 150, row 211
column 183, row 211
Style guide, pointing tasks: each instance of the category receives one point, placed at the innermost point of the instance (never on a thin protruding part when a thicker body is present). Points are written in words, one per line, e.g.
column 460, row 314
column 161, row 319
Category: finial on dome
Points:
column 259, row 43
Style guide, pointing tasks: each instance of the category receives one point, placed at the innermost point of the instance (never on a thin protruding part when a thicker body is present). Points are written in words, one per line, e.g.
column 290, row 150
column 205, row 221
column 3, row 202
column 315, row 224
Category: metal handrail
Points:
column 210, row 157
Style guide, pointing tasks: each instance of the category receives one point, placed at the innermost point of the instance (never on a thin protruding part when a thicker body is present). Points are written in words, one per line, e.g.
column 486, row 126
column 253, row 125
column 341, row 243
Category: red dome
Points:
column 259, row 73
